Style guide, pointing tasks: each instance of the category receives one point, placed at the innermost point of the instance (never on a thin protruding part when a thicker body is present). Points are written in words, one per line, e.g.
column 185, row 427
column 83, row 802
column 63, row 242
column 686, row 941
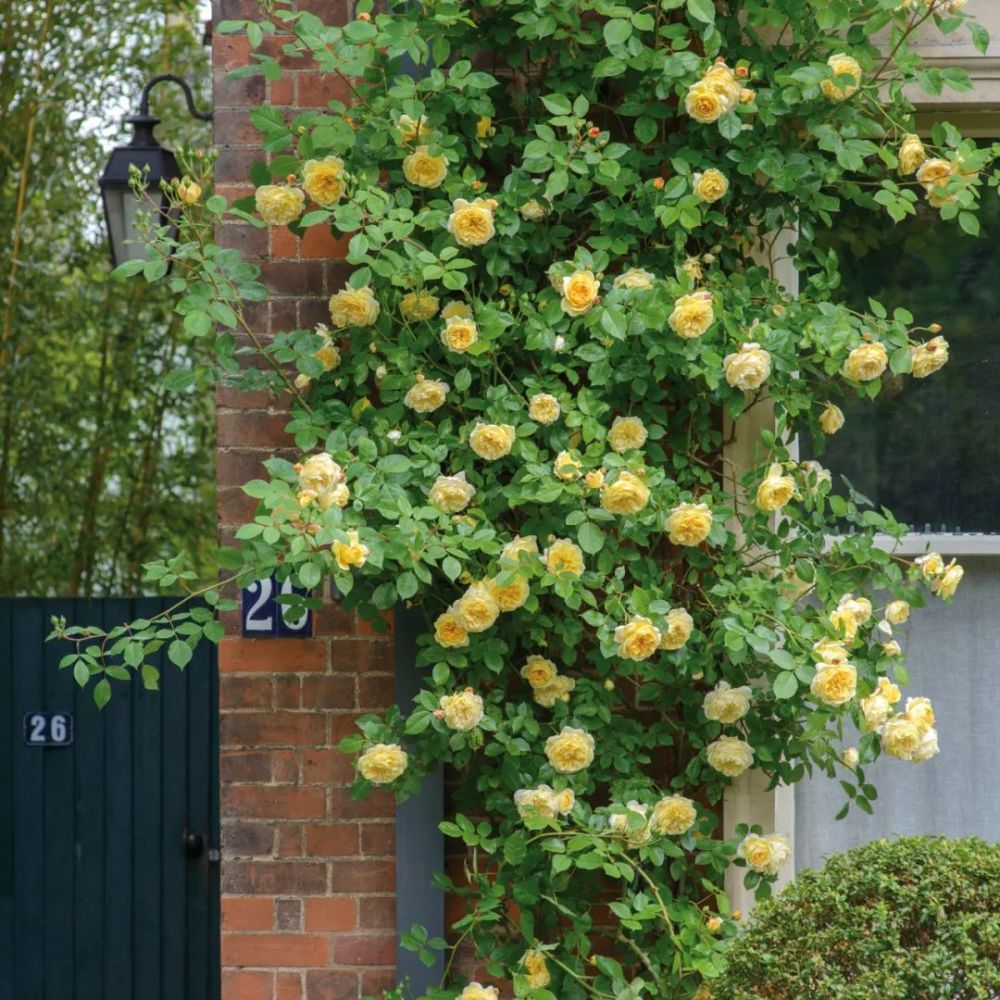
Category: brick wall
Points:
column 308, row 877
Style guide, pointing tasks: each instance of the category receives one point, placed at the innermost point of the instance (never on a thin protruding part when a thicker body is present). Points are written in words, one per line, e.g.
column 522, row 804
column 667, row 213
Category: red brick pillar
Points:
column 308, row 876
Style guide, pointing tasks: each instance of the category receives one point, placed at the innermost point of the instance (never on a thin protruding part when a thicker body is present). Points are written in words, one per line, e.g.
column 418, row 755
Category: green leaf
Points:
column 617, row 31
column 451, row 568
column 591, row 538
column 102, row 692
column 969, row 223
column 702, row 10
column 128, row 269
column 179, row 653
column 785, row 685
column 558, row 104
column 150, row 677
column 782, row 658
column 81, row 672
column 406, row 585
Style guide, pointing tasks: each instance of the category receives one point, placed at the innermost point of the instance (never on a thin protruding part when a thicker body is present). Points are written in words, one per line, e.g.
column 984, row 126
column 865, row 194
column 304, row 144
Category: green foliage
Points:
column 103, row 466
column 675, row 645
column 902, row 919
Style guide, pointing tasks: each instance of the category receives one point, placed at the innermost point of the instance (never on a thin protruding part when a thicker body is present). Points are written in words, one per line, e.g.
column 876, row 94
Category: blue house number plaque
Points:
column 264, row 617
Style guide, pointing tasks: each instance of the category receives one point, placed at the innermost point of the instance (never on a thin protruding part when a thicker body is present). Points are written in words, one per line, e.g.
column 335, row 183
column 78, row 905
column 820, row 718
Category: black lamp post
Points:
column 120, row 202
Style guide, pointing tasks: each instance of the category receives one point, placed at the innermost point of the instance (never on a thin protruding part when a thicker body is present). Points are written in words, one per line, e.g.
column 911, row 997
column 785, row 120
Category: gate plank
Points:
column 8, row 733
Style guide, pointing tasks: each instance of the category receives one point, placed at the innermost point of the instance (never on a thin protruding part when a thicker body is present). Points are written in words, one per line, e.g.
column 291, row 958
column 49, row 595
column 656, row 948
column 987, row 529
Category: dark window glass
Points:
column 928, row 449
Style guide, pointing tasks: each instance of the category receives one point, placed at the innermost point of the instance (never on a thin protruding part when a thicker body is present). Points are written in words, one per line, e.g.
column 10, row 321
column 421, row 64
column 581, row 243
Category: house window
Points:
column 928, row 449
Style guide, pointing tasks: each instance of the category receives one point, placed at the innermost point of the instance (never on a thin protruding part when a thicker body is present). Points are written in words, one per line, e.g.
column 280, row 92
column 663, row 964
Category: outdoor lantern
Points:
column 120, row 203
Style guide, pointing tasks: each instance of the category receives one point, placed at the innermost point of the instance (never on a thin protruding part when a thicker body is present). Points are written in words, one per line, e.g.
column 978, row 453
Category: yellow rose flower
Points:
column 874, row 710
column 328, row 354
column 460, row 310
column 484, row 127
column 566, row 467
column 900, row 737
column 931, row 565
column 845, row 623
column 324, row 180
column 628, row 494
column 339, row 496
column 911, row 154
column 929, row 358
column 519, row 545
column 562, row 556
column 626, row 434
column 935, row 173
column 926, row 748
column 459, row 334
column 471, row 222
column 775, row 490
column 558, row 690
column 571, row 750
column 946, row 584
column 383, row 763
column 622, row 824
column 679, row 627
column 417, row 306
column 635, row 277
column 452, row 493
column 765, row 854
column 511, row 596
column 866, row 362
column 188, row 191
column 423, row 170
column 711, row 185
column 831, row 419
column 897, row 612
column 350, row 554
column 475, row 991
column 477, row 609
column 721, row 79
column 533, row 210
column 353, row 307
column 920, row 712
column 580, row 290
column 448, row 631
column 673, row 815
column 535, row 969
column 594, row 479
column 850, row 757
column 462, row 711
column 692, row 315
column 689, row 523
column 543, row 801
column 834, row 683
column 729, row 756
column 638, row 639
column 886, row 689
column 727, row 704
column 426, row 395
column 748, row 368
column 539, row 672
column 842, row 66
column 319, row 473
column 413, row 129
column 278, row 205
column 492, row 441
column 704, row 104
column 543, row 408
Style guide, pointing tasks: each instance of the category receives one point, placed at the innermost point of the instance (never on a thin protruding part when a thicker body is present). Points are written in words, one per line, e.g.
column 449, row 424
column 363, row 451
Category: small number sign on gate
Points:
column 48, row 729
column 263, row 616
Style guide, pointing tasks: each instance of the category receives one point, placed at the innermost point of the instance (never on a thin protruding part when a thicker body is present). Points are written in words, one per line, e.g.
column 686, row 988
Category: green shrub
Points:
column 911, row 919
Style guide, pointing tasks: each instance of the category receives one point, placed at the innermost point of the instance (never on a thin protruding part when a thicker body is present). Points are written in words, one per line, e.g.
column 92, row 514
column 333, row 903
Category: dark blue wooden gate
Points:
column 109, row 875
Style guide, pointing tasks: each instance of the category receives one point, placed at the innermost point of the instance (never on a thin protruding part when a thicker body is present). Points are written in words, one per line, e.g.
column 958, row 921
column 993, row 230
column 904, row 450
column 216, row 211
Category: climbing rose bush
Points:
column 553, row 410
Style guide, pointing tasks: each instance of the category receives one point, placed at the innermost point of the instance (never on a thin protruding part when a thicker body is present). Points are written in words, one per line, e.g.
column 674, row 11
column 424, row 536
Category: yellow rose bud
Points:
column 849, row 758
column 188, row 191
column 897, row 612
column 350, row 554
column 714, row 925
column 456, row 309
column 594, row 479
column 831, row 419
column 776, row 490
column 635, row 277
column 543, row 408
column 931, row 565
column 535, row 969
column 417, row 306
column 947, row 583
column 533, row 210
column 566, row 467
column 411, row 129
column 911, row 154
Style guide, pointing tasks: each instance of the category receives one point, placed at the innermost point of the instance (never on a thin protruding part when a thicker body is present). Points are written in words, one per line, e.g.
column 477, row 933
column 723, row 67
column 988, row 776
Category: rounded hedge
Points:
column 909, row 919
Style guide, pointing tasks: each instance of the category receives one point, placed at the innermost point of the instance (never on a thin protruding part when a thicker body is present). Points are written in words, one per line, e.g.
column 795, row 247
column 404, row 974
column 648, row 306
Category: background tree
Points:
column 101, row 468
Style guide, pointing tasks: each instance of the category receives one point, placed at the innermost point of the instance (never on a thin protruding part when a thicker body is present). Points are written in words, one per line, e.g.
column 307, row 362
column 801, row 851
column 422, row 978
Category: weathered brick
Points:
column 242, row 839
column 288, row 915
column 377, row 911
column 364, row 949
column 271, row 655
column 240, row 985
column 288, row 986
column 244, row 765
column 332, row 840
column 272, row 950
column 272, row 878
column 331, row 914
column 378, row 839
column 252, row 430
column 324, row 766
column 333, row 691
column 244, row 692
column 363, row 876
column 273, row 801
column 272, row 729
column 247, row 913
column 330, row 984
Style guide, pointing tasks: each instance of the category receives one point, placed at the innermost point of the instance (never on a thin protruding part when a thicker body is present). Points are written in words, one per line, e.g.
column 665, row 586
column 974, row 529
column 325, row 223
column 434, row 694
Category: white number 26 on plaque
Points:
column 263, row 616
